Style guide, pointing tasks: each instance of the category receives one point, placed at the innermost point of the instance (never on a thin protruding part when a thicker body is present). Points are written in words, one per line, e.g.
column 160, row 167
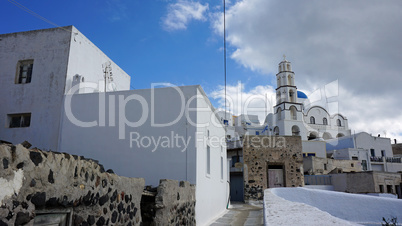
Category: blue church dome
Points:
column 301, row 95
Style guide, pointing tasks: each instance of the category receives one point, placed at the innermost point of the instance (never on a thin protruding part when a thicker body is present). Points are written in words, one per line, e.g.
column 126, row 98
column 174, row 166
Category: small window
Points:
column 383, row 153
column 208, row 160
column 225, row 122
column 276, row 131
column 257, row 133
column 381, row 188
column 355, row 158
column 312, row 120
column 19, row 120
column 372, row 152
column 24, row 71
column 221, row 168
column 324, row 121
column 325, row 166
column 338, row 122
column 352, row 165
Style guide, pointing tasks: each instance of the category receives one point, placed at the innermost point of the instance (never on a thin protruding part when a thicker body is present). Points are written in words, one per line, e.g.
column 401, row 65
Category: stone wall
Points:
column 172, row 204
column 318, row 166
column 259, row 152
column 34, row 182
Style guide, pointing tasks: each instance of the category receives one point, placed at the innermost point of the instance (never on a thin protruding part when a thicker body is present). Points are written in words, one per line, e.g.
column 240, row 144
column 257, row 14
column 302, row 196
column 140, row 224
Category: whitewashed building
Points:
column 37, row 69
column 52, row 89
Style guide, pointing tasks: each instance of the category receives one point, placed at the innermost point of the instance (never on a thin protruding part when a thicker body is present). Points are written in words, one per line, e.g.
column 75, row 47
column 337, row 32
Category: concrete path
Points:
column 240, row 214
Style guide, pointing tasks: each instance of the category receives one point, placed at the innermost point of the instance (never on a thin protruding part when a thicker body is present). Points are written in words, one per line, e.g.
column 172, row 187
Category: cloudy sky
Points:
column 356, row 43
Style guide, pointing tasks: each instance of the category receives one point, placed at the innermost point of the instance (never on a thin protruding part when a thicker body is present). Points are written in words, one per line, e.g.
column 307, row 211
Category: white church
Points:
column 293, row 114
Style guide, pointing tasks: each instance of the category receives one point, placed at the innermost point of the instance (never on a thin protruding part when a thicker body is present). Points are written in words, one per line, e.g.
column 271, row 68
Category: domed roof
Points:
column 301, row 95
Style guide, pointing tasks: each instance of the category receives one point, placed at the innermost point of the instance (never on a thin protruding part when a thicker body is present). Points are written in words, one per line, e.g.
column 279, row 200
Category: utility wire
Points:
column 35, row 14
column 224, row 49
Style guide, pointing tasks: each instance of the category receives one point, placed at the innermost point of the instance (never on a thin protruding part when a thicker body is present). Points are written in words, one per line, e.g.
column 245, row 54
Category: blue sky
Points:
column 132, row 34
column 180, row 41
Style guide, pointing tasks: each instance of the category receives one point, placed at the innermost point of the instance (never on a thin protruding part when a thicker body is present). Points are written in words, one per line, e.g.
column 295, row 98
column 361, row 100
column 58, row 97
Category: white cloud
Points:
column 357, row 42
column 182, row 12
column 257, row 101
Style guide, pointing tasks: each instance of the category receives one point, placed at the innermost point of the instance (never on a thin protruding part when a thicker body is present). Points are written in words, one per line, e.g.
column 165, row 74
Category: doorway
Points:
column 276, row 176
column 236, row 187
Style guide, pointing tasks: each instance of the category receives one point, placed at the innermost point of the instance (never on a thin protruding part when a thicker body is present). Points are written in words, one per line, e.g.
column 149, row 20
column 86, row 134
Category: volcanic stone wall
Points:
column 175, row 203
column 259, row 152
column 35, row 182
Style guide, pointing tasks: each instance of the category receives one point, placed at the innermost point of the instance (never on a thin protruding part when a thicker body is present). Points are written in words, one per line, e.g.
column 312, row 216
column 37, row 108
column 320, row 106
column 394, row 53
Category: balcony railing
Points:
column 394, row 159
column 376, row 159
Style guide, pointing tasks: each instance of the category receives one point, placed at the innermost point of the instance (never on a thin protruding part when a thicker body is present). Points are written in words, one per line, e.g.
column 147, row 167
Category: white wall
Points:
column 103, row 143
column 366, row 141
column 317, row 147
column 86, row 59
column 212, row 190
column 169, row 161
column 43, row 96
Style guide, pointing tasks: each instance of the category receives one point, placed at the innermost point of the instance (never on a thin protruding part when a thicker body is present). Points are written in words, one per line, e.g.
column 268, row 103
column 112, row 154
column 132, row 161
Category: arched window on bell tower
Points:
column 293, row 113
column 292, row 96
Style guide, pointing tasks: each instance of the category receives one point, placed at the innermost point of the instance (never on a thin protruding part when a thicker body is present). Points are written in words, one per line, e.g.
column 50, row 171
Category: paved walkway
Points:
column 240, row 214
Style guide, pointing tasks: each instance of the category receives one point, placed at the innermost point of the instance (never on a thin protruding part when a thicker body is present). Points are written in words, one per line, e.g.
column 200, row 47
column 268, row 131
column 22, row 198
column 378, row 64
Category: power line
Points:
column 224, row 48
column 19, row 5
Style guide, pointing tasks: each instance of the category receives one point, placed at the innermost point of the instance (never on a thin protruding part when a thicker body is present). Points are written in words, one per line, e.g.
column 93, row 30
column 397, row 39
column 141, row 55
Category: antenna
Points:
column 107, row 70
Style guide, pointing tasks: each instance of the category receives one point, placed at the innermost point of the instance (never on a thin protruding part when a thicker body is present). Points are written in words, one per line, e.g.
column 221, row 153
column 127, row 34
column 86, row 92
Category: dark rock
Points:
column 114, row 196
column 2, row 223
column 251, row 181
column 135, row 211
column 24, row 205
column 111, row 207
column 39, row 199
column 91, row 220
column 20, row 165
column 178, row 196
column 5, row 163
column 29, row 197
column 101, row 221
column 64, row 202
column 86, row 177
column 75, row 172
column 114, row 217
column 103, row 200
column 36, row 157
column 52, row 202
column 15, row 204
column 109, row 190
column 126, row 198
column 78, row 220
column 10, row 215
column 120, row 207
column 50, row 177
column 87, row 199
column 95, row 199
column 33, row 183
column 26, row 144
column 128, row 209
column 104, row 183
column 84, row 223
column 110, row 171
column 22, row 218
column 92, row 177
